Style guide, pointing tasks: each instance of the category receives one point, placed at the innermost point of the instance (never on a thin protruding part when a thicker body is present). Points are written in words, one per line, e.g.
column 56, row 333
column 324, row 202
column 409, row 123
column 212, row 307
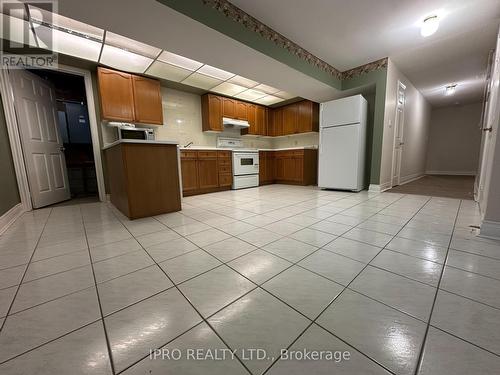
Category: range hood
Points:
column 234, row 123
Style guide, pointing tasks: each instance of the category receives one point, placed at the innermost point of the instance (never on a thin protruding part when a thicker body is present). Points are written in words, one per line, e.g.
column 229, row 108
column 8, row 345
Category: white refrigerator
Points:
column 342, row 143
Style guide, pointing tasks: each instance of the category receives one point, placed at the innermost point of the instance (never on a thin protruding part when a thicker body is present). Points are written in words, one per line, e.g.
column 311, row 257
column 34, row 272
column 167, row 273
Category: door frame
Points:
column 7, row 93
column 403, row 86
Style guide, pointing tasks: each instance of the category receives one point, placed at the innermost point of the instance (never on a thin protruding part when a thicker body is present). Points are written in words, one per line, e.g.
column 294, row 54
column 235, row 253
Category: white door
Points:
column 338, row 157
column 490, row 130
column 399, row 124
column 35, row 103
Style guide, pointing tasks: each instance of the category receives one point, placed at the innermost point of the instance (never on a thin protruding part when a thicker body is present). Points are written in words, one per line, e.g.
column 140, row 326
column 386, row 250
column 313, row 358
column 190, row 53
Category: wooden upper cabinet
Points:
column 308, row 116
column 251, row 118
column 290, row 119
column 128, row 97
column 261, row 120
column 277, row 122
column 241, row 110
column 212, row 112
column 147, row 100
column 229, row 107
column 116, row 95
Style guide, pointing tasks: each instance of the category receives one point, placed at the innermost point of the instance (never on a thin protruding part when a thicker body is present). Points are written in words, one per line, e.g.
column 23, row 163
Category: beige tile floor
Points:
column 399, row 281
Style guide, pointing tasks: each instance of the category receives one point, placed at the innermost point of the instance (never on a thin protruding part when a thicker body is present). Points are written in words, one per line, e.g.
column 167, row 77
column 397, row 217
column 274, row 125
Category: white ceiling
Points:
column 347, row 34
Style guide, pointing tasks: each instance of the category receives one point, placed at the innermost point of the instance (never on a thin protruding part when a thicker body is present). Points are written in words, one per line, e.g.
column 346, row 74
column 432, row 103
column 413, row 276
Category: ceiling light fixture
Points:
column 450, row 89
column 429, row 26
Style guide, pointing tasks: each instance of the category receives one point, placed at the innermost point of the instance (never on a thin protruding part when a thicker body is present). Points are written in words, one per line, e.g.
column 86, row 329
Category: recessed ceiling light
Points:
column 429, row 26
column 124, row 60
column 131, row 45
column 242, row 81
column 267, row 89
column 16, row 32
column 166, row 71
column 180, row 61
column 251, row 94
column 69, row 44
column 201, row 81
column 228, row 88
column 214, row 72
column 269, row 100
column 42, row 16
column 450, row 89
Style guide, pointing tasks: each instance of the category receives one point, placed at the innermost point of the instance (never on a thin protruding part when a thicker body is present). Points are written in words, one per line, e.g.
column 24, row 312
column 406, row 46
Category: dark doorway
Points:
column 74, row 129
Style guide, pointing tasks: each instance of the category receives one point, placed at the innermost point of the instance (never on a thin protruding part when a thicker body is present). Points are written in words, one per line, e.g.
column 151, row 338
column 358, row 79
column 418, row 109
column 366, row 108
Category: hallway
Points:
column 458, row 187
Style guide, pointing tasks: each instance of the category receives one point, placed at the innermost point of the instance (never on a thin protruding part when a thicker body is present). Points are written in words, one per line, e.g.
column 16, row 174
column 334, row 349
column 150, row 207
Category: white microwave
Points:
column 128, row 132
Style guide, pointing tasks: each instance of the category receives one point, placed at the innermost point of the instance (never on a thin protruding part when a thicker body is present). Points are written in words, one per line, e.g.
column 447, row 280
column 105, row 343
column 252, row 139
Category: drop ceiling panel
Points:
column 251, row 95
column 227, row 88
column 167, row 71
column 180, row 61
column 215, row 72
column 124, row 60
column 201, row 81
column 131, row 45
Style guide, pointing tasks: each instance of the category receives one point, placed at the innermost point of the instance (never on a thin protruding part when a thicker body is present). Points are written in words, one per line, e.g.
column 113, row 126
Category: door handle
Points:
column 401, row 143
column 490, row 129
column 62, row 148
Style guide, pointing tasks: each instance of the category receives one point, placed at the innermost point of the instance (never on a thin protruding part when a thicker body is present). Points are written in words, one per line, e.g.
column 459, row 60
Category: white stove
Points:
column 245, row 163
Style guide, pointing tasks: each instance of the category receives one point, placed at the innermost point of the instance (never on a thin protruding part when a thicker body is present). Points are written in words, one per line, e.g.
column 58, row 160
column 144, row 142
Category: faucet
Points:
column 189, row 144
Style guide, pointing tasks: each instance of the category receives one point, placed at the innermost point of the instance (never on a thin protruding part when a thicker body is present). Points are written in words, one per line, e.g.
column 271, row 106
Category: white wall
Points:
column 454, row 140
column 416, row 129
column 182, row 123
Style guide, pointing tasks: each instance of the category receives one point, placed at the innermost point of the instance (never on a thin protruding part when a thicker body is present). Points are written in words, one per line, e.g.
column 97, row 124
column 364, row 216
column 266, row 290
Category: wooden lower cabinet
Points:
column 139, row 185
column 267, row 169
column 298, row 167
column 205, row 171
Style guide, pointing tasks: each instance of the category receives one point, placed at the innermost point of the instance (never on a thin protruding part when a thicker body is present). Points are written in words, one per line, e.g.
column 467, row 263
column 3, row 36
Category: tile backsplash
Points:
column 182, row 123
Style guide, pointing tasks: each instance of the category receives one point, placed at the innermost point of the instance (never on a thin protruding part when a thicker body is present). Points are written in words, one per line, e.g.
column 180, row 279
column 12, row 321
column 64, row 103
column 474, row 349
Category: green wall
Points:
column 379, row 79
column 9, row 192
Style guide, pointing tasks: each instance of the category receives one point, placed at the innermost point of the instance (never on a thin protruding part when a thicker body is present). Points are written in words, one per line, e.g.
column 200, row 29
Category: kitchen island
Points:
column 143, row 177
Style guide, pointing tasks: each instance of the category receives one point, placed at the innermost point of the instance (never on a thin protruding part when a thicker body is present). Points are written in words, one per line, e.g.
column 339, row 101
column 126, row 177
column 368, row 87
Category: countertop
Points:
column 140, row 141
column 314, row 147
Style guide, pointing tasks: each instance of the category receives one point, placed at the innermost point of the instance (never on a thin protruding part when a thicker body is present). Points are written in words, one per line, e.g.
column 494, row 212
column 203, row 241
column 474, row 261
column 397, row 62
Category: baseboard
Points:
column 8, row 218
column 453, row 173
column 374, row 188
column 410, row 178
column 490, row 229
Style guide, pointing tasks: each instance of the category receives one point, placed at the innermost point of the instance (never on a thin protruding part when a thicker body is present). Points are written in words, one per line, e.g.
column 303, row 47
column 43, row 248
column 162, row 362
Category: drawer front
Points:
column 225, row 169
column 207, row 154
column 298, row 153
column 225, row 180
column 225, row 162
column 188, row 154
column 224, row 154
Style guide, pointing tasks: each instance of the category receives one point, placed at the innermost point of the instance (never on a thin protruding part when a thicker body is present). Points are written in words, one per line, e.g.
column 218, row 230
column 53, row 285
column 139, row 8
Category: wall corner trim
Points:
column 8, row 218
column 490, row 229
column 374, row 188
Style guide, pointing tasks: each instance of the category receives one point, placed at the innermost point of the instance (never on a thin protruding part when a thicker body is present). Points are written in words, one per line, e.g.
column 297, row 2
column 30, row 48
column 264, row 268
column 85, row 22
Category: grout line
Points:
column 24, row 274
column 314, row 321
column 108, row 344
column 187, row 299
column 422, row 346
